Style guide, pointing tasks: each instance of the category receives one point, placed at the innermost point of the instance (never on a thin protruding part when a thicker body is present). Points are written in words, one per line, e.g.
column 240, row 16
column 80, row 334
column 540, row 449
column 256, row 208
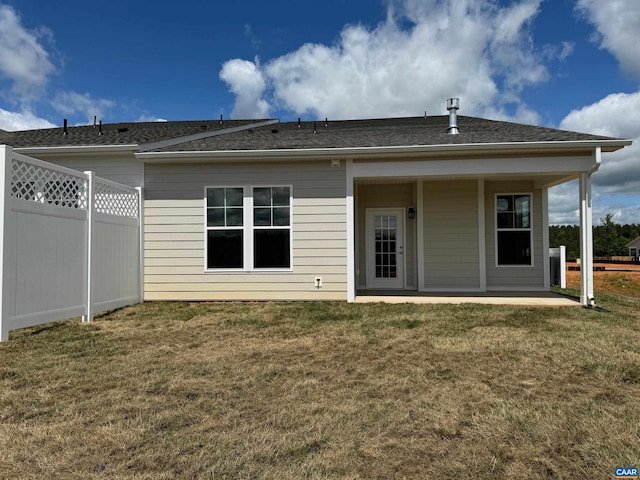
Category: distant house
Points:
column 330, row 210
column 634, row 249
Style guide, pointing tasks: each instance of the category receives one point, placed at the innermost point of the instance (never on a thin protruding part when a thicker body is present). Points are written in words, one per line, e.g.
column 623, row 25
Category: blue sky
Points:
column 571, row 64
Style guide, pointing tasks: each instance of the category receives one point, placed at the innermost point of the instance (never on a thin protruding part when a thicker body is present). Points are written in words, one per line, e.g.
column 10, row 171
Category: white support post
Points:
column 351, row 255
column 88, row 316
column 141, row 244
column 586, row 241
column 546, row 263
column 5, row 202
column 420, row 233
column 563, row 266
column 482, row 244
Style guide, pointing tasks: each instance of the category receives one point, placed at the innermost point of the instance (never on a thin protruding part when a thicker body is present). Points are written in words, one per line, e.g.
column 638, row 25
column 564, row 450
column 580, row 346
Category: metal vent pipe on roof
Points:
column 453, row 104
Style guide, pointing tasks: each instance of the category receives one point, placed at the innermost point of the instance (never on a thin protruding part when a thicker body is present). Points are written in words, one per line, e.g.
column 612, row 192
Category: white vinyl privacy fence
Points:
column 69, row 243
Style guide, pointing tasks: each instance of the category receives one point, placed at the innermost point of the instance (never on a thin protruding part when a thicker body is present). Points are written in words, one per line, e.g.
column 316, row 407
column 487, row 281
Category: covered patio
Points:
column 446, row 232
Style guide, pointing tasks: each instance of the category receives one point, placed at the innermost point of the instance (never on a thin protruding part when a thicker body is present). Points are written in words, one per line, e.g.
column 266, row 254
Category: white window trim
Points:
column 496, row 229
column 272, row 227
column 248, row 229
column 207, row 228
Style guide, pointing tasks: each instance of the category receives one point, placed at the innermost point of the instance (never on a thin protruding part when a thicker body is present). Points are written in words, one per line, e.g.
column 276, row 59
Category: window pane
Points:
column 504, row 203
column 271, row 249
column 281, row 217
column 224, row 249
column 522, row 208
column 234, row 217
column 514, row 248
column 215, row 217
column 262, row 196
column 215, row 197
column 505, row 220
column 281, row 196
column 234, row 197
column 262, row 217
column 522, row 220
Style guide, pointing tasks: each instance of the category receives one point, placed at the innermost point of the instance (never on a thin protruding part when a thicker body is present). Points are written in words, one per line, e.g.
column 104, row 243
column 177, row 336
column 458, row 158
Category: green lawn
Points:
column 324, row 391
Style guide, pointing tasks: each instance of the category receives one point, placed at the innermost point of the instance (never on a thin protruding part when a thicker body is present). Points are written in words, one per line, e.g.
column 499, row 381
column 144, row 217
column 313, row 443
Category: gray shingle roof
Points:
column 387, row 132
column 114, row 133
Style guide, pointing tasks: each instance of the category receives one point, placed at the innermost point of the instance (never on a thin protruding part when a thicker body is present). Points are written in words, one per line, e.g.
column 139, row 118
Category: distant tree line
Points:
column 609, row 238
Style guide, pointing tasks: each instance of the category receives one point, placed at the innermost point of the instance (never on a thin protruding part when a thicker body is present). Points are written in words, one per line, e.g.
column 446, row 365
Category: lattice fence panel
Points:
column 43, row 185
column 114, row 200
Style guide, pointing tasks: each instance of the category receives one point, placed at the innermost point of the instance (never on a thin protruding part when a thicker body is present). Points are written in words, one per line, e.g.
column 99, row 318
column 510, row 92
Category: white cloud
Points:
column 618, row 26
column 564, row 208
column 617, row 115
column 25, row 120
column 472, row 49
column 564, row 204
column 246, row 81
column 622, row 214
column 616, row 186
column 150, row 118
column 72, row 102
column 23, row 59
column 560, row 52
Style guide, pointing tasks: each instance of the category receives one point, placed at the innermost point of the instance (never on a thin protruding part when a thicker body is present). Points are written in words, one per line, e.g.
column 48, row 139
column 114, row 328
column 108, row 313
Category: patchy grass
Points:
column 324, row 391
column 619, row 283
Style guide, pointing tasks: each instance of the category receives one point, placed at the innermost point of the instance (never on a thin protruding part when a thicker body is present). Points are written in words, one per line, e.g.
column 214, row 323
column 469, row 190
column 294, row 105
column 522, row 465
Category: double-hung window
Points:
column 271, row 227
column 513, row 229
column 225, row 227
column 248, row 228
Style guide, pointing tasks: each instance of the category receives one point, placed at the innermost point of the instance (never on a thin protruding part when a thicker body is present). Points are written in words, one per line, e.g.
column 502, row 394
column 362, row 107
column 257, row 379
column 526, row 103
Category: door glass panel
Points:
column 385, row 234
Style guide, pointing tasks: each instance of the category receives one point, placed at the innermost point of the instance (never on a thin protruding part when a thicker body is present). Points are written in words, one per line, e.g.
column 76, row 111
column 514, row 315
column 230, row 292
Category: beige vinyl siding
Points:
column 399, row 195
column 451, row 255
column 175, row 233
column 121, row 168
column 514, row 277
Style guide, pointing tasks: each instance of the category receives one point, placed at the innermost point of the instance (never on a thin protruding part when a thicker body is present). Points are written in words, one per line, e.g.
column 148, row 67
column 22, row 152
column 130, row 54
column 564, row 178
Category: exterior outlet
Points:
column 318, row 282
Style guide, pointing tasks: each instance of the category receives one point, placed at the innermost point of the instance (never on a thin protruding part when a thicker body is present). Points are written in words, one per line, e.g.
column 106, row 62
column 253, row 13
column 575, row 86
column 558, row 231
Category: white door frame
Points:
column 401, row 242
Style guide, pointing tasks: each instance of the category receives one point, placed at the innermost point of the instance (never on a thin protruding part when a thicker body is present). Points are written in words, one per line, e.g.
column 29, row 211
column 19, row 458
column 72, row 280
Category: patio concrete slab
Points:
column 540, row 299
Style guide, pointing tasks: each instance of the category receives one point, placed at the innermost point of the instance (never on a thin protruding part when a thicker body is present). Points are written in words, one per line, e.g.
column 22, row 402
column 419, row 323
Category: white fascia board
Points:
column 169, row 142
column 356, row 153
column 473, row 167
column 82, row 149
